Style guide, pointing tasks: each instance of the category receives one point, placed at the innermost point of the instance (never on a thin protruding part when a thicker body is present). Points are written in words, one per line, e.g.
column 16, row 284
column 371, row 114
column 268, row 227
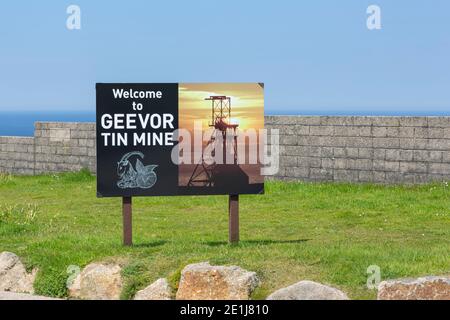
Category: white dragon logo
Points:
column 138, row 177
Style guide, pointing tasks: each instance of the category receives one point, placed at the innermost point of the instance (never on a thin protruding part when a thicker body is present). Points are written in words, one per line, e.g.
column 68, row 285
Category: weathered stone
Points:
column 424, row 288
column 13, row 275
column 158, row 290
column 5, row 295
column 97, row 282
column 59, row 134
column 202, row 281
column 308, row 290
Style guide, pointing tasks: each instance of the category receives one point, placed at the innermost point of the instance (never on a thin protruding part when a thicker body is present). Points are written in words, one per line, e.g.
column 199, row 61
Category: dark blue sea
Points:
column 22, row 123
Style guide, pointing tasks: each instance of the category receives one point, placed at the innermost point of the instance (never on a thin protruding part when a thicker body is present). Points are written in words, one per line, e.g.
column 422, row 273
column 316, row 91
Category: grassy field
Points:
column 328, row 233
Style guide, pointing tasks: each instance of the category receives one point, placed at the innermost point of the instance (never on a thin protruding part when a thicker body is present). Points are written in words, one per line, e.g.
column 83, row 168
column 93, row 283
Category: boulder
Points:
column 13, row 275
column 202, row 281
column 158, row 290
column 424, row 288
column 6, row 295
column 97, row 282
column 308, row 290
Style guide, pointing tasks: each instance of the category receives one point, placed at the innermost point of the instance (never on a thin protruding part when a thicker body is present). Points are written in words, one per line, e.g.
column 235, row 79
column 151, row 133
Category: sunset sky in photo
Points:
column 247, row 103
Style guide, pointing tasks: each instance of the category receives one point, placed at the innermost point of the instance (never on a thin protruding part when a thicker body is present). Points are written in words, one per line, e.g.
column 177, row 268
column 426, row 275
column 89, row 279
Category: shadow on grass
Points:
column 254, row 242
column 149, row 244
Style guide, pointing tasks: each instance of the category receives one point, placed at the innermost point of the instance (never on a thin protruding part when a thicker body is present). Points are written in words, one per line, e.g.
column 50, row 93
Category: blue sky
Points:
column 315, row 57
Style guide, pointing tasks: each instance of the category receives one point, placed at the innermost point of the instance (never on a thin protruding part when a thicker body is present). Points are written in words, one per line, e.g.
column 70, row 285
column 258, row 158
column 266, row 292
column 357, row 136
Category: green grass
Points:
column 328, row 233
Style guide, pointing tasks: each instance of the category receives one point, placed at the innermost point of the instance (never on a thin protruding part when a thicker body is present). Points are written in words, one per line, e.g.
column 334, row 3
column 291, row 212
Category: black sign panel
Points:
column 136, row 133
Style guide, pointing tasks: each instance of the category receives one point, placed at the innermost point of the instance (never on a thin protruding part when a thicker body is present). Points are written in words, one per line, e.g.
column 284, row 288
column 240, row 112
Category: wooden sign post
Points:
column 233, row 219
column 127, row 221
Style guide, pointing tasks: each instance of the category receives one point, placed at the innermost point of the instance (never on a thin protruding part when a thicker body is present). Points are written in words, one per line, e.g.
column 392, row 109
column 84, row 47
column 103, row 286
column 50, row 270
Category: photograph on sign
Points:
column 179, row 139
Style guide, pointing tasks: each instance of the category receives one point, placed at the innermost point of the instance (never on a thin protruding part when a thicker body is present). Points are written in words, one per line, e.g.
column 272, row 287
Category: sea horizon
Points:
column 21, row 122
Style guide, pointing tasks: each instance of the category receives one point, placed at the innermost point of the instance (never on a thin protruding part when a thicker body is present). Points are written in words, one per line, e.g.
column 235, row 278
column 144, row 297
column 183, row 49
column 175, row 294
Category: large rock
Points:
column 5, row 295
column 308, row 290
column 158, row 290
column 97, row 282
column 202, row 281
column 13, row 275
column 424, row 288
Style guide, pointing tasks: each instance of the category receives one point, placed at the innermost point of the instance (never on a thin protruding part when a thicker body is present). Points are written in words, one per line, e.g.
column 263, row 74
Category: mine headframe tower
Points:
column 203, row 174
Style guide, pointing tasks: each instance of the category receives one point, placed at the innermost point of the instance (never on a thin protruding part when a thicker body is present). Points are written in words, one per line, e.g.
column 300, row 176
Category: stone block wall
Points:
column 64, row 146
column 363, row 149
column 55, row 147
column 17, row 155
column 312, row 148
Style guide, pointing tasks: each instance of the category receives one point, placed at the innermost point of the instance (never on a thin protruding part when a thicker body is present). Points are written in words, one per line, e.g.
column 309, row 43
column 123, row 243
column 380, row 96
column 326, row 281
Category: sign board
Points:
column 162, row 139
